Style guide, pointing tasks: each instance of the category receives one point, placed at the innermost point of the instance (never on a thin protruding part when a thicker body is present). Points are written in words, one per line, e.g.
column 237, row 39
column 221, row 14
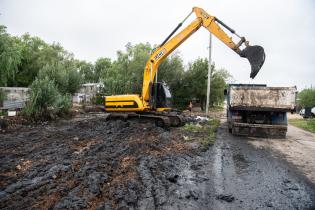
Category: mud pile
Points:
column 91, row 164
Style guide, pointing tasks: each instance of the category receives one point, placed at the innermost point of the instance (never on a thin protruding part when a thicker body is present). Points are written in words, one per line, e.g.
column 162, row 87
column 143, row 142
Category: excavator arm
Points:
column 255, row 54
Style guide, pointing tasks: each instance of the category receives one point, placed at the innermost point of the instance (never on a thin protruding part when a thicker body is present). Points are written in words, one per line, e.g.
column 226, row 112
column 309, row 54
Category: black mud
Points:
column 94, row 164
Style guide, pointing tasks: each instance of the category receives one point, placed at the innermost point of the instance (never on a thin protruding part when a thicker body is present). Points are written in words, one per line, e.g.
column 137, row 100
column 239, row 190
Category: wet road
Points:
column 245, row 177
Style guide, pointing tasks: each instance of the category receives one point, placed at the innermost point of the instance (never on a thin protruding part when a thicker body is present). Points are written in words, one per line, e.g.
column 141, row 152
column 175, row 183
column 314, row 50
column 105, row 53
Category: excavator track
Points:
column 176, row 119
column 163, row 120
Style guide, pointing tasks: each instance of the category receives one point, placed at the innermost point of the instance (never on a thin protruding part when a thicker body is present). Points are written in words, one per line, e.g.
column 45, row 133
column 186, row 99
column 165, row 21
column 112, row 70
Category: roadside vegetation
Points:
column 305, row 124
column 204, row 133
column 307, row 97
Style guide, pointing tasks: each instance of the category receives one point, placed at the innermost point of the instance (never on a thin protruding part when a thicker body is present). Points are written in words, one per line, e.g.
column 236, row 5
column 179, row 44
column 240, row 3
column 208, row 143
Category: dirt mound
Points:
column 90, row 164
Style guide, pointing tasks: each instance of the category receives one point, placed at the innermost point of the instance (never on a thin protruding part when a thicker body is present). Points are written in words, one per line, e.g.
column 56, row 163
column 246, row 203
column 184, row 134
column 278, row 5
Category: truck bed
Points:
column 262, row 98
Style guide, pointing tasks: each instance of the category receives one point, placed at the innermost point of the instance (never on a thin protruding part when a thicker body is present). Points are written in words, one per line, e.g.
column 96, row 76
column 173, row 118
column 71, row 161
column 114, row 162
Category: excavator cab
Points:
column 160, row 96
column 256, row 57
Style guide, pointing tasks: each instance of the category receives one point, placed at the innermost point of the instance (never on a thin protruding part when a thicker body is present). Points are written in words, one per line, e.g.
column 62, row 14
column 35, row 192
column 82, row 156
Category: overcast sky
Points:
column 98, row 28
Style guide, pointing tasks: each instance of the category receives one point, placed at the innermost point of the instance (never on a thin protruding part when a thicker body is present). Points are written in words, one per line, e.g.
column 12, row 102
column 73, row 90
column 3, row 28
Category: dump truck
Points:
column 258, row 110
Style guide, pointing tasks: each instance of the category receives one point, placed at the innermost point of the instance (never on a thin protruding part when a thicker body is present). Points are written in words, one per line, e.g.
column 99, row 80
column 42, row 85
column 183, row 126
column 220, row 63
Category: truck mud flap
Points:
column 259, row 130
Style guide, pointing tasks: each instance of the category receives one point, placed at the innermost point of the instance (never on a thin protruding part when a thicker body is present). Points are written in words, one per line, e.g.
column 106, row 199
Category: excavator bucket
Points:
column 256, row 57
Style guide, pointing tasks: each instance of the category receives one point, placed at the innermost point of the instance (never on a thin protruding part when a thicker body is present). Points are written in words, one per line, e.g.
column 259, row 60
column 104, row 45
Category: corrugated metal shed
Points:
column 12, row 105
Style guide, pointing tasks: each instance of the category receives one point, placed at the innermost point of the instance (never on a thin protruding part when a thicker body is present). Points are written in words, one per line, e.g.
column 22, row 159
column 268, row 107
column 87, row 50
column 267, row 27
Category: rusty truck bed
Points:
column 262, row 98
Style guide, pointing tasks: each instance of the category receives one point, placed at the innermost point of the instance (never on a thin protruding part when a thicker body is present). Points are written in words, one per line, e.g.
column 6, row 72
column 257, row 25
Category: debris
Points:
column 11, row 113
column 228, row 198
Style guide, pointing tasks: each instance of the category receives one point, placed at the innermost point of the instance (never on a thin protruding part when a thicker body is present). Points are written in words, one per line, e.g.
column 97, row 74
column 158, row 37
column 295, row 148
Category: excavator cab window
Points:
column 160, row 95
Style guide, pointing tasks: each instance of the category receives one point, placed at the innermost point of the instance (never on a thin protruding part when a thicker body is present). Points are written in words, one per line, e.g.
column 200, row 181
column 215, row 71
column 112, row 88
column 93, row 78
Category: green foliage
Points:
column 306, row 124
column 99, row 100
column 307, row 97
column 102, row 66
column 67, row 79
column 51, row 92
column 21, row 58
column 37, row 54
column 218, row 84
column 171, row 71
column 216, row 109
column 86, row 70
column 63, row 104
column 125, row 74
column 46, row 102
column 193, row 127
column 194, row 84
column 10, row 57
column 196, row 79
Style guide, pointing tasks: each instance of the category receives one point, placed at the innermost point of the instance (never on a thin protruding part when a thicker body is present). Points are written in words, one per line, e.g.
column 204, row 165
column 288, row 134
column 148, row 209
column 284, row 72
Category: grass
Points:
column 206, row 133
column 305, row 124
column 216, row 108
column 193, row 127
column 3, row 113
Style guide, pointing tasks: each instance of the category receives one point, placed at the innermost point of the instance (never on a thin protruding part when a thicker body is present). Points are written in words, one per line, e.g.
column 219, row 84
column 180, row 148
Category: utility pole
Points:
column 209, row 76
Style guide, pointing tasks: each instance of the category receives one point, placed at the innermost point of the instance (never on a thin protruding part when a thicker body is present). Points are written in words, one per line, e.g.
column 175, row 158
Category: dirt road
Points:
column 298, row 148
column 93, row 164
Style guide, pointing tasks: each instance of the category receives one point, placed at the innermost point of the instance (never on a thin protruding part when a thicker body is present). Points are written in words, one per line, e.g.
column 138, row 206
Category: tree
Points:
column 171, row 71
column 10, row 57
column 87, row 71
column 102, row 66
column 125, row 75
column 66, row 78
column 35, row 55
column 307, row 97
column 195, row 83
column 196, row 80
column 218, row 84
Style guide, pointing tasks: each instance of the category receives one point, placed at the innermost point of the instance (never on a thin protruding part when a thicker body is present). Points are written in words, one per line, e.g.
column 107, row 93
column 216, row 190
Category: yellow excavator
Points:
column 155, row 98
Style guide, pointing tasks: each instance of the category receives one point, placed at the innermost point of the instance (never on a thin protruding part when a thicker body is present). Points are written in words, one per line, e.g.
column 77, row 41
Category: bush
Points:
column 99, row 100
column 307, row 97
column 64, row 104
column 46, row 102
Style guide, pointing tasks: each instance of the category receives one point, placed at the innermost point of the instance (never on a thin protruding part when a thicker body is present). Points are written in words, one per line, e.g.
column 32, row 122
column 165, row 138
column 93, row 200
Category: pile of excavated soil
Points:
column 91, row 164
